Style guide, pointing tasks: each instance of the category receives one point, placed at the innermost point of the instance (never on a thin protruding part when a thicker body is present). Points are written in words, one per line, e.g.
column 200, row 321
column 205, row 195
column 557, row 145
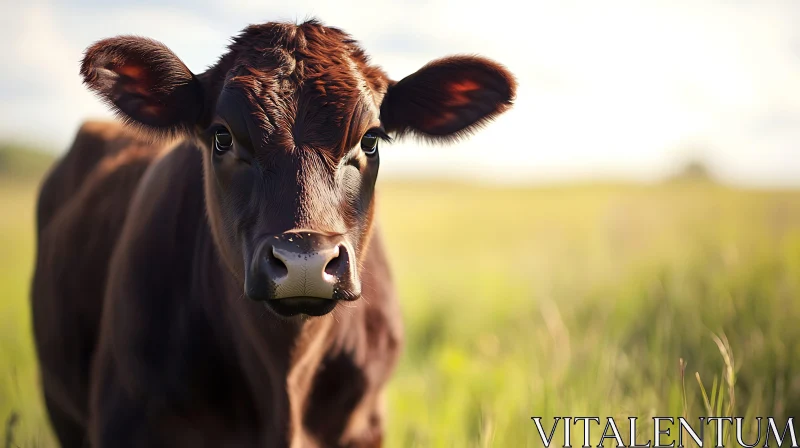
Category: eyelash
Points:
column 381, row 135
column 370, row 141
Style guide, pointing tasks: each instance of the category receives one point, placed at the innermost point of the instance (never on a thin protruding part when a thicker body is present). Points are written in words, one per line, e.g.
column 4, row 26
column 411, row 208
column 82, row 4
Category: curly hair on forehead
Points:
column 297, row 53
column 302, row 81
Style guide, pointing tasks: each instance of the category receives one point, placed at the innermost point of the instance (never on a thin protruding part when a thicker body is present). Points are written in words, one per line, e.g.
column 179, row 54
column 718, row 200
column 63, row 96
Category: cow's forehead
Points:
column 305, row 84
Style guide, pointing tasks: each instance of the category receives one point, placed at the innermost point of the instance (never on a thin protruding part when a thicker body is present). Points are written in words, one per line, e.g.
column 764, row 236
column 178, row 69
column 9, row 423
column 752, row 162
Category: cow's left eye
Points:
column 222, row 141
column 369, row 143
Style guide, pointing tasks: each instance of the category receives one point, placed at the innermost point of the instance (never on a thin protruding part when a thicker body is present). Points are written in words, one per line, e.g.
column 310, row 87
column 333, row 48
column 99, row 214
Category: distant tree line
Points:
column 694, row 170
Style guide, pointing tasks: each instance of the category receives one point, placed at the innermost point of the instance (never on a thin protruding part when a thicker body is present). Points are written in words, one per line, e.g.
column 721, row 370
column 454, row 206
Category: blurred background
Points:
column 638, row 206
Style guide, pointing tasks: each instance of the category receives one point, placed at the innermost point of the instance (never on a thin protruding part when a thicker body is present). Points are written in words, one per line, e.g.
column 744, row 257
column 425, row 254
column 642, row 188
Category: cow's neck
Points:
column 279, row 357
column 281, row 343
column 289, row 354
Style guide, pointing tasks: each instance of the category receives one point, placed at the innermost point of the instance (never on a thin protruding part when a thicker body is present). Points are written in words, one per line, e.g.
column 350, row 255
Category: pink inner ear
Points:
column 136, row 82
column 465, row 85
column 442, row 120
column 152, row 110
column 131, row 71
column 458, row 91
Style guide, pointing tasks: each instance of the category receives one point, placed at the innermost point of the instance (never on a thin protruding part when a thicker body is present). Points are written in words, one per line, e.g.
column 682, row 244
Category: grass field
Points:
column 559, row 301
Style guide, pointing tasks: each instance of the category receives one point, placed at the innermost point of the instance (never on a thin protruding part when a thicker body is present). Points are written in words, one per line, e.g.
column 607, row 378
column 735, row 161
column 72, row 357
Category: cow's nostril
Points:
column 333, row 266
column 277, row 268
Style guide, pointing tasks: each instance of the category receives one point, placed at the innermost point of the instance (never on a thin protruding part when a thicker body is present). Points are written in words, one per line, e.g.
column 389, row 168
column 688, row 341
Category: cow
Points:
column 209, row 271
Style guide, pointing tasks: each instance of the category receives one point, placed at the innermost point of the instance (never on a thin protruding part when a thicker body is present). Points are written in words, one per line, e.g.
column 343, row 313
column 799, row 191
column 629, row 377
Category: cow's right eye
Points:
column 222, row 141
column 369, row 143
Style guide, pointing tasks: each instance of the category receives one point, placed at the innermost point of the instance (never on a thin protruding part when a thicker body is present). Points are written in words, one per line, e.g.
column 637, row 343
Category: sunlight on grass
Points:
column 581, row 300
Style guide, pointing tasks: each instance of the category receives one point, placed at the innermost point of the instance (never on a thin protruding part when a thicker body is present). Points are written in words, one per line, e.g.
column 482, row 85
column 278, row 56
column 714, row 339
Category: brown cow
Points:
column 178, row 267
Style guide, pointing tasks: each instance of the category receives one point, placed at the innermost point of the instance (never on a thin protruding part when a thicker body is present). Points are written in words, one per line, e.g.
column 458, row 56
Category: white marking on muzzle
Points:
column 306, row 276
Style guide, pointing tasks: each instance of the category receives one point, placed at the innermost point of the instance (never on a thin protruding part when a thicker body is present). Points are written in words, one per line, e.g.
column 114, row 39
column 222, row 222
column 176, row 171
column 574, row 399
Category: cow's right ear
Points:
column 144, row 82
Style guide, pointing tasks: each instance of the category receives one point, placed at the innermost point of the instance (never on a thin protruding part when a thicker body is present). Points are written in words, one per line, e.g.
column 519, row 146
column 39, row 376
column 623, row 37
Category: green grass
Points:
column 560, row 301
column 581, row 300
column 19, row 391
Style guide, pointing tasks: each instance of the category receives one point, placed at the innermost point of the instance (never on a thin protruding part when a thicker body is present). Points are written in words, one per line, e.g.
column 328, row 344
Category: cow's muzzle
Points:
column 302, row 272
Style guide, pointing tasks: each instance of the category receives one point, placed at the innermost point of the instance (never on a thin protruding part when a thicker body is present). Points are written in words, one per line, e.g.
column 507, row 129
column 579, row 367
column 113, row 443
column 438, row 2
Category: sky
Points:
column 607, row 89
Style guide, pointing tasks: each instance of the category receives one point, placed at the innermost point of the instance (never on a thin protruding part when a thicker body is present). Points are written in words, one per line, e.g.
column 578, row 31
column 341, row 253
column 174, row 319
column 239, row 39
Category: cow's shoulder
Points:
column 106, row 158
column 80, row 212
column 165, row 339
column 153, row 305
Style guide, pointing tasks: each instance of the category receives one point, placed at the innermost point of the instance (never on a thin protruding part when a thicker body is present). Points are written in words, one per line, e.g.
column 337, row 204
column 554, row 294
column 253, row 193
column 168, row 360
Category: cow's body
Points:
column 190, row 352
column 204, row 286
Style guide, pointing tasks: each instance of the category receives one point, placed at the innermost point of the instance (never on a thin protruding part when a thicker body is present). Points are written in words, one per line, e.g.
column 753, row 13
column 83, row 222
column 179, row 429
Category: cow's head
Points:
column 290, row 121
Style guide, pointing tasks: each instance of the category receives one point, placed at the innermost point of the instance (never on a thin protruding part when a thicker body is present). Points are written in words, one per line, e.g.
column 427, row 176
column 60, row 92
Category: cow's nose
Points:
column 302, row 272
column 299, row 273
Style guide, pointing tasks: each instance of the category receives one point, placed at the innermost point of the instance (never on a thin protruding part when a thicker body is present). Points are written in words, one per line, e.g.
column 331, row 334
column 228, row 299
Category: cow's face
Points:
column 290, row 122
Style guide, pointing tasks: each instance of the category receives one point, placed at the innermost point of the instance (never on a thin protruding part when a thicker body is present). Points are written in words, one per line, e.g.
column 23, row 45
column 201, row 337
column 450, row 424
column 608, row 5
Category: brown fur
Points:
column 144, row 335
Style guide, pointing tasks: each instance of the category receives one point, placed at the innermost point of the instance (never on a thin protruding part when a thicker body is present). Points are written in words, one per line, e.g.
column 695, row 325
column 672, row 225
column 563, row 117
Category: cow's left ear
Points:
column 448, row 98
column 144, row 82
